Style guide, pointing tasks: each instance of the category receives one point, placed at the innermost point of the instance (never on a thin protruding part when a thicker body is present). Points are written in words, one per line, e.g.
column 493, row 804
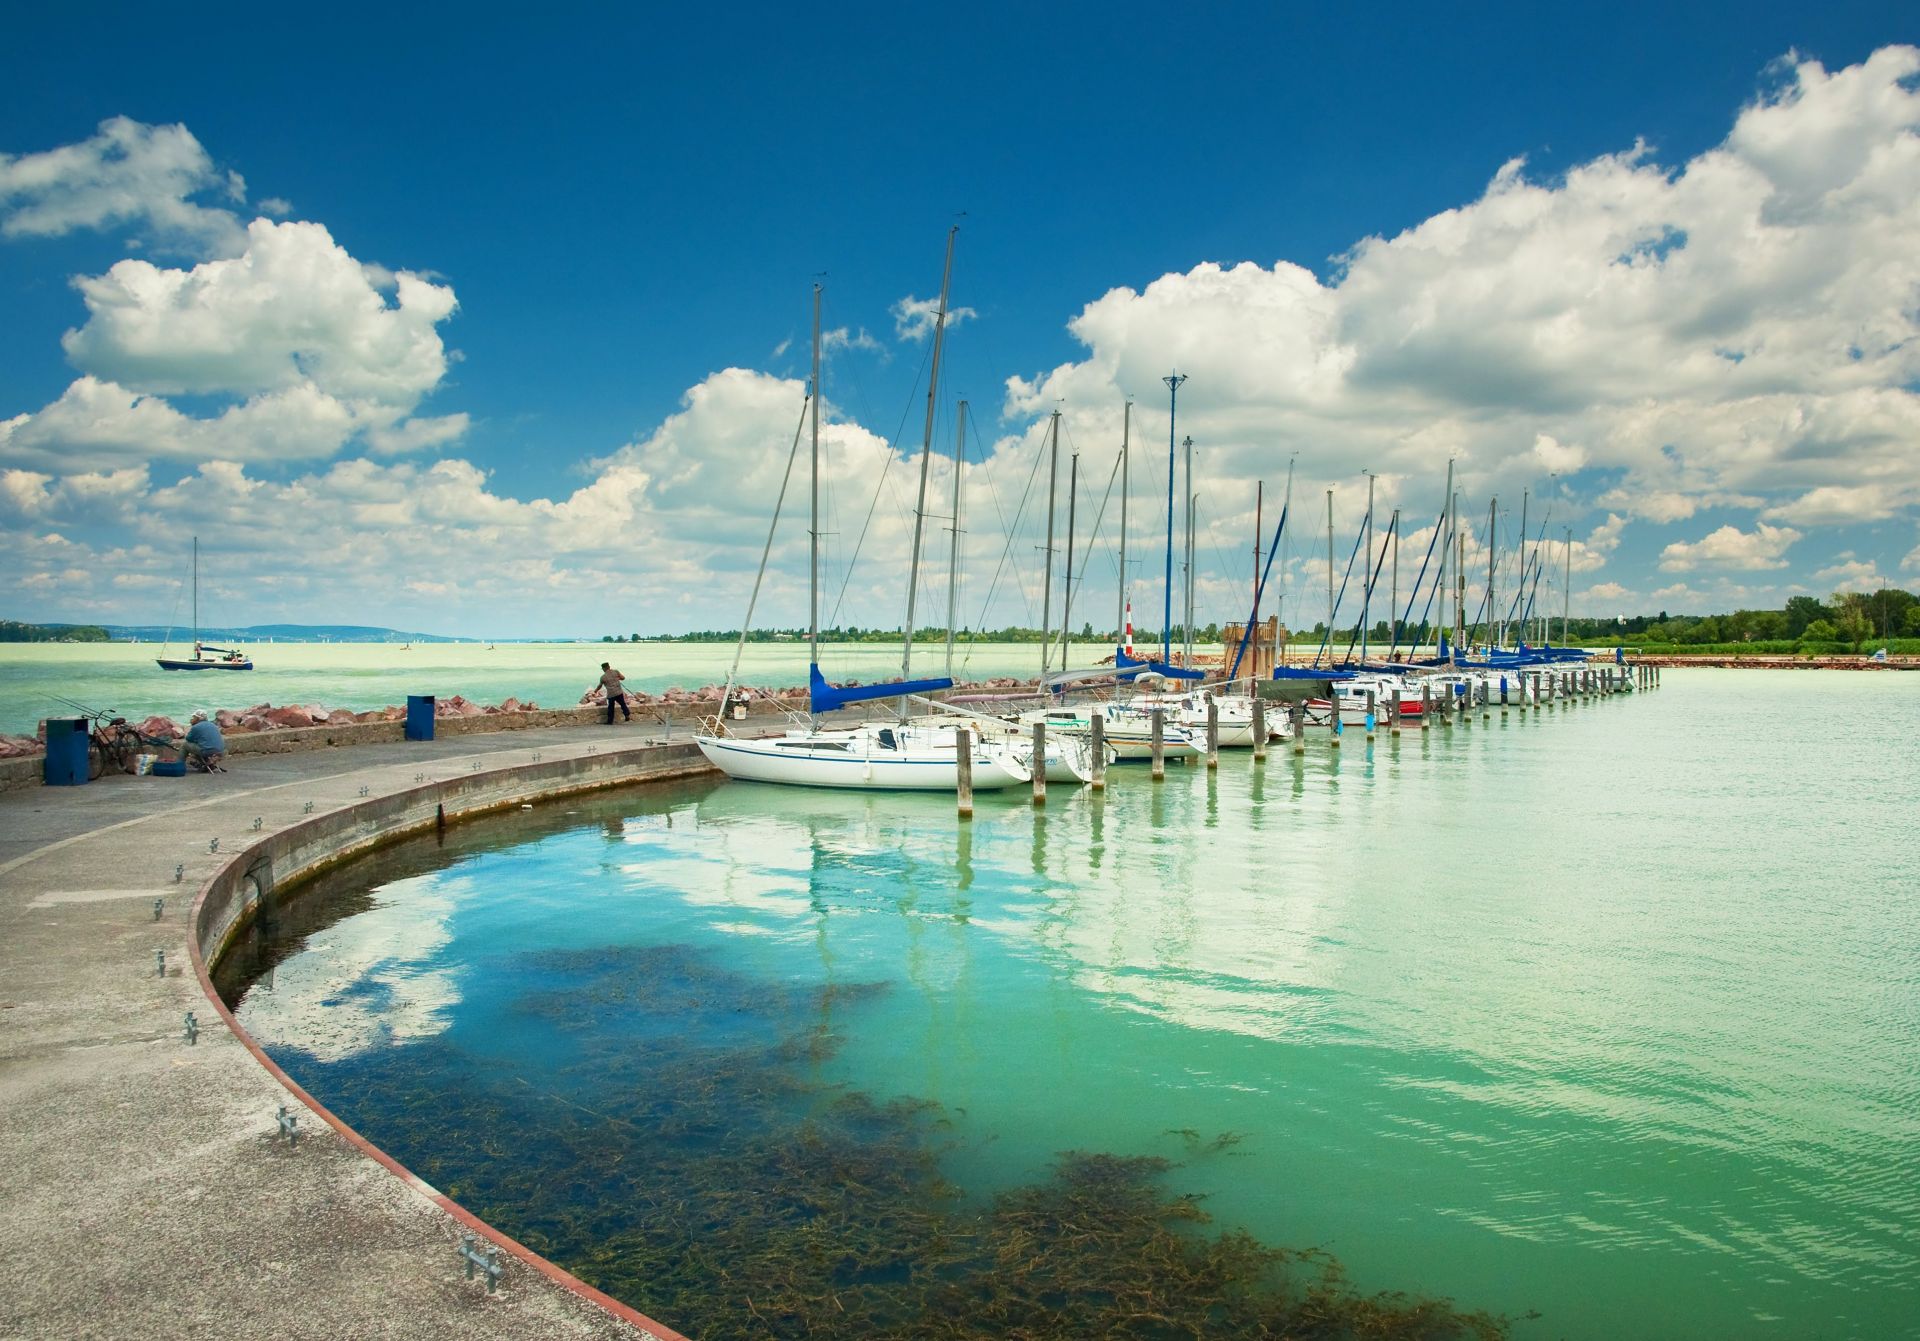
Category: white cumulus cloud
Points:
column 1730, row 547
column 127, row 173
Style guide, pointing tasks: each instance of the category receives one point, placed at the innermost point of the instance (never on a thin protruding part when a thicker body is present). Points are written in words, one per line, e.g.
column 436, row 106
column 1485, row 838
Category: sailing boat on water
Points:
column 872, row 755
column 205, row 656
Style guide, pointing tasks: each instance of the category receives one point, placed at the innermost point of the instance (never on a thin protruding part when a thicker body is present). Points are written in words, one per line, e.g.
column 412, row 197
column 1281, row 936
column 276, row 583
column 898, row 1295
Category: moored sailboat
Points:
column 875, row 756
column 221, row 658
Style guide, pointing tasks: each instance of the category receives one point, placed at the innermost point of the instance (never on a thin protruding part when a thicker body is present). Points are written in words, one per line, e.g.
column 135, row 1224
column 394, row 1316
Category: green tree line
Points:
column 1847, row 620
column 13, row 631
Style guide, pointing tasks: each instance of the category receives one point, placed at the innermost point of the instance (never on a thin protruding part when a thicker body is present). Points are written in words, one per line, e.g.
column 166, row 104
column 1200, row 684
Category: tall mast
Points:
column 1566, row 591
column 1446, row 550
column 1259, row 517
column 1520, row 592
column 1493, row 549
column 953, row 553
column 1280, row 603
column 1066, row 592
column 1393, row 610
column 1173, row 382
column 813, row 523
column 1329, row 575
column 926, row 457
column 1186, row 624
column 1366, row 592
column 196, row 596
column 1046, row 587
column 1126, row 432
column 1459, row 579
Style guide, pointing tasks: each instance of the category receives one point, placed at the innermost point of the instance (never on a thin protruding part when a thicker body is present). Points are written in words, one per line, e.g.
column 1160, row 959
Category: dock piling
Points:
column 1213, row 732
column 1297, row 720
column 1097, row 735
column 1259, row 729
column 1040, row 763
column 1159, row 744
column 963, row 769
column 1426, row 706
column 1372, row 713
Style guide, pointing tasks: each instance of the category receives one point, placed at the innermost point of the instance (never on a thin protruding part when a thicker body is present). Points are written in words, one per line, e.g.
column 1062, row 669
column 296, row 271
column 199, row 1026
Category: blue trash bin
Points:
column 67, row 744
column 419, row 716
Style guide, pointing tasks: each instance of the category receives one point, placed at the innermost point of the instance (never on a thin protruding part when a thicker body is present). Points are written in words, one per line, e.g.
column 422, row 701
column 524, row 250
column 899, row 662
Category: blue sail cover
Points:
column 1125, row 666
column 1310, row 673
column 825, row 697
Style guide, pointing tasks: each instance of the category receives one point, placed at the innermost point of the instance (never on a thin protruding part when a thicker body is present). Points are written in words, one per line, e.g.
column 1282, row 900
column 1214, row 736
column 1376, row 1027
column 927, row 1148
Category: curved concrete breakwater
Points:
column 146, row 1184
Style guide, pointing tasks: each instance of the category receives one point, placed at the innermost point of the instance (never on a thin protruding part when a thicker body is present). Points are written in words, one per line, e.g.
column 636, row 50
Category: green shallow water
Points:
column 364, row 676
column 1609, row 1013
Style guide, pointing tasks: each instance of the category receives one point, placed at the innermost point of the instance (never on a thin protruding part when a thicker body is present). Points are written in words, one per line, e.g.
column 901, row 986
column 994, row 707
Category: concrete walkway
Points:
column 144, row 1188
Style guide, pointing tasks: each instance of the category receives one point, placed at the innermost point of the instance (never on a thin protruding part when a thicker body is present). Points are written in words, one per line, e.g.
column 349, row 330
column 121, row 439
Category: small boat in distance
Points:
column 205, row 656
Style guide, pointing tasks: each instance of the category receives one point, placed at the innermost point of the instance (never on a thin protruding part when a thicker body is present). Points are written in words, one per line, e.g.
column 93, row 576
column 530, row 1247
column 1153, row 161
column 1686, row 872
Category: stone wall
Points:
column 28, row 771
column 264, row 868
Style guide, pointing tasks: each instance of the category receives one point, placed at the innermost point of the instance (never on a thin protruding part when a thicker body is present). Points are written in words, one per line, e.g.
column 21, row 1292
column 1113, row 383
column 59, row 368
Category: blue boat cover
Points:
column 1309, row 673
column 1125, row 666
column 825, row 697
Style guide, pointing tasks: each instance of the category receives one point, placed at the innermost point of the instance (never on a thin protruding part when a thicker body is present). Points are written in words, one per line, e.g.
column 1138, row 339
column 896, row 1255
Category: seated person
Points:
column 205, row 747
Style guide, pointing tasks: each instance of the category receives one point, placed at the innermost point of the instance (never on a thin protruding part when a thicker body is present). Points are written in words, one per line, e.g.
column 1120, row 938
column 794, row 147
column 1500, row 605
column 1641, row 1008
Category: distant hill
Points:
column 299, row 633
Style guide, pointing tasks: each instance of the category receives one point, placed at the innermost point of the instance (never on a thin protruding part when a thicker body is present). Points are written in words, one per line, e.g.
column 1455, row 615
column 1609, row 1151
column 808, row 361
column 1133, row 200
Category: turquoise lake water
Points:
column 1610, row 1013
column 363, row 676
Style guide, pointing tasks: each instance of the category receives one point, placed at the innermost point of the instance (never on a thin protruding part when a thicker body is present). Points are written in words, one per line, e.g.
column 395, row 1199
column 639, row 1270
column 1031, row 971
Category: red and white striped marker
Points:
column 1129, row 628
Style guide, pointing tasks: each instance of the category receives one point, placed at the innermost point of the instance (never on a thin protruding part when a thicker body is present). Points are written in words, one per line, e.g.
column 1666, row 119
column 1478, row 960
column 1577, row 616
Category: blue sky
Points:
column 516, row 344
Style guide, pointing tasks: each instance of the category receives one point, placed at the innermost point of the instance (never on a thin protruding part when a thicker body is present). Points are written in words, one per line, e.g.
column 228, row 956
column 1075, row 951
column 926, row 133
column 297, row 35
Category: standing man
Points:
column 613, row 681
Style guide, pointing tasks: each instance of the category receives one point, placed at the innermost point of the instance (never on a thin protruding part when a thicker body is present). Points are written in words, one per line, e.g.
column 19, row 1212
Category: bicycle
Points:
column 114, row 743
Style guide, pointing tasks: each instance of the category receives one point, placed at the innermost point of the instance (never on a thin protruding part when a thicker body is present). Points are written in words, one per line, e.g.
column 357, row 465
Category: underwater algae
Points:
column 688, row 1161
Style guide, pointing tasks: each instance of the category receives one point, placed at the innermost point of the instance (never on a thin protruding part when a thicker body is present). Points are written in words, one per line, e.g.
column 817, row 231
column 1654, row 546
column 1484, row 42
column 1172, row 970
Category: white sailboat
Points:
column 875, row 756
column 205, row 656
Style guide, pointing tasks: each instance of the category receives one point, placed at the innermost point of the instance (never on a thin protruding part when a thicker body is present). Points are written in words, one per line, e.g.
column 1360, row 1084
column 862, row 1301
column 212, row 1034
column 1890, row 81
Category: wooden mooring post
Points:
column 1373, row 714
column 963, row 769
column 1040, row 763
column 1159, row 744
column 1426, row 705
column 1297, row 719
column 1213, row 732
column 1097, row 735
column 1259, row 729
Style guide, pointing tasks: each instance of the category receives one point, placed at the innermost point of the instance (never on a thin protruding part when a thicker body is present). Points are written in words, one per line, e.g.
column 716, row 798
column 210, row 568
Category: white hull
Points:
column 1128, row 734
column 1069, row 757
column 857, row 759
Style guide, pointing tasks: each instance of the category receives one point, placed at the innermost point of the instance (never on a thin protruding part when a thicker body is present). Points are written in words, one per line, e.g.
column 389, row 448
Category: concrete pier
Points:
column 146, row 1188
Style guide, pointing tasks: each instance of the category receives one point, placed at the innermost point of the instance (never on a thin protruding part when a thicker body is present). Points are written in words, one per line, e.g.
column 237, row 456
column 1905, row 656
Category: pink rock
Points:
column 253, row 721
column 162, row 727
column 513, row 705
column 288, row 717
column 226, row 719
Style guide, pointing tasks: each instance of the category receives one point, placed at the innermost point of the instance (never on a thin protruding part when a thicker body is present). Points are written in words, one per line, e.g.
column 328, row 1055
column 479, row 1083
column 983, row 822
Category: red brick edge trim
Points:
column 558, row 1275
